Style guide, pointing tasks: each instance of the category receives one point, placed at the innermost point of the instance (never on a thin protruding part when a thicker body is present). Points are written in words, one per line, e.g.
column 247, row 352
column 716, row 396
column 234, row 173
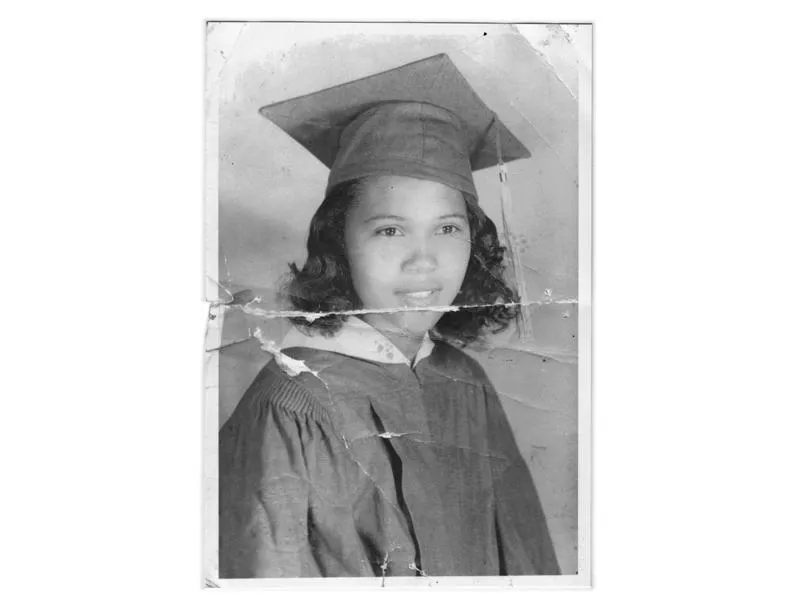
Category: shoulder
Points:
column 293, row 388
column 458, row 364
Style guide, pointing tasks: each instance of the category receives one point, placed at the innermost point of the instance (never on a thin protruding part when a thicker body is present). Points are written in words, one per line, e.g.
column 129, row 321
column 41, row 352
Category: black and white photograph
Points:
column 392, row 299
column 398, row 263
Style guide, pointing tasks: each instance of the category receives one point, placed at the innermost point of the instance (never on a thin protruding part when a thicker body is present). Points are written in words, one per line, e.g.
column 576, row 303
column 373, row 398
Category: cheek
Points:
column 373, row 271
column 454, row 258
column 373, row 262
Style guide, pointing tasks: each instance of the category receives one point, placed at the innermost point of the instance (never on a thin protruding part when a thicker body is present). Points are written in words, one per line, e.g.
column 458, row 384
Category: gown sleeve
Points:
column 523, row 537
column 285, row 485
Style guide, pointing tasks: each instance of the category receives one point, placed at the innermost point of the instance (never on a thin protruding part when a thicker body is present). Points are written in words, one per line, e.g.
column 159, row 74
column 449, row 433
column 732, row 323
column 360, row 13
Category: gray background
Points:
column 269, row 188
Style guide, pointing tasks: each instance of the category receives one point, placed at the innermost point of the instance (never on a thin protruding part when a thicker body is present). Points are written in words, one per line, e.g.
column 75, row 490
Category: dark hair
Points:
column 324, row 283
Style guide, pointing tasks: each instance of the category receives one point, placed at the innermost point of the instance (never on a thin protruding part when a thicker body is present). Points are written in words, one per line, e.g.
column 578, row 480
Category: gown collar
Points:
column 358, row 339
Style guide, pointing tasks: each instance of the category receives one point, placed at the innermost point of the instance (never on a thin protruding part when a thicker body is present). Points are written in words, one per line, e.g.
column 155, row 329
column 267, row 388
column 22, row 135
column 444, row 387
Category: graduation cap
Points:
column 420, row 120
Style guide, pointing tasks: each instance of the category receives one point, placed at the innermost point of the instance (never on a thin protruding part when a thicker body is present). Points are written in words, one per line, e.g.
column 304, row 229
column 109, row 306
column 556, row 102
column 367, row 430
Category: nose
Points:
column 421, row 258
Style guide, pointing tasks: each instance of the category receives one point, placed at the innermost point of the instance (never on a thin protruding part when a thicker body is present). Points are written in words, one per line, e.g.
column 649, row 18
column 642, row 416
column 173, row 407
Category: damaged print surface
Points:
column 397, row 246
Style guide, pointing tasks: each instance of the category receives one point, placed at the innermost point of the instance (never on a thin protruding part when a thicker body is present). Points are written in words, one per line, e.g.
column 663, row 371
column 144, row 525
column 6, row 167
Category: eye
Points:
column 450, row 229
column 387, row 231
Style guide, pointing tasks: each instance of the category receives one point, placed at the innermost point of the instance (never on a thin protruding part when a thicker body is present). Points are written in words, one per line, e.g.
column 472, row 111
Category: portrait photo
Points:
column 398, row 262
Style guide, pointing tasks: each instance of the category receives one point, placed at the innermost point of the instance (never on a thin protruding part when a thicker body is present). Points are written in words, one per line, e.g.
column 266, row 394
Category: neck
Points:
column 408, row 343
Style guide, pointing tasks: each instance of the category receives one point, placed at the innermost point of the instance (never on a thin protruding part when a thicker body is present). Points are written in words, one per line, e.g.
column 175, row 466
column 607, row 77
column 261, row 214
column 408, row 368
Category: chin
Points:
column 417, row 322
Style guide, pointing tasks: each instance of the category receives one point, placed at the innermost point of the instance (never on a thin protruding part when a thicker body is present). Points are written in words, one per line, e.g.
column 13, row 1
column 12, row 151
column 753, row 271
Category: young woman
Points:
column 389, row 454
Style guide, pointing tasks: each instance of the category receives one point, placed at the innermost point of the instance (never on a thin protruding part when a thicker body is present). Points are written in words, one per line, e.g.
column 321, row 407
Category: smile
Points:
column 418, row 297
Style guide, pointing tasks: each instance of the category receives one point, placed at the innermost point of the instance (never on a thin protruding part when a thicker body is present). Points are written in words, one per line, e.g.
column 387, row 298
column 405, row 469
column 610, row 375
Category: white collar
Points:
column 358, row 339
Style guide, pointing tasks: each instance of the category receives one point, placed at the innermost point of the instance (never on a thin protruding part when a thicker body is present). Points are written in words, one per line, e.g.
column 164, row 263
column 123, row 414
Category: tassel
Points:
column 515, row 263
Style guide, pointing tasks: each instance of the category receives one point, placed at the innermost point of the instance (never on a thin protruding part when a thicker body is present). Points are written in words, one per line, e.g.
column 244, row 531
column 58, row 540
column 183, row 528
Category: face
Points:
column 408, row 245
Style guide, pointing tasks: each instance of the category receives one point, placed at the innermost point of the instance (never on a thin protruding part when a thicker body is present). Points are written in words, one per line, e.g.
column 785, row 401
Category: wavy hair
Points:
column 324, row 285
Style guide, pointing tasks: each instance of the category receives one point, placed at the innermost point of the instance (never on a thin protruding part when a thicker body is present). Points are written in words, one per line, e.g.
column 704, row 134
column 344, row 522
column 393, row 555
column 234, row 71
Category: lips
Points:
column 419, row 296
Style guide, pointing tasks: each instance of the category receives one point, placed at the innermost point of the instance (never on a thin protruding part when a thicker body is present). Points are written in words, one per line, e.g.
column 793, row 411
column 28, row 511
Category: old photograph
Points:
column 395, row 301
column 398, row 261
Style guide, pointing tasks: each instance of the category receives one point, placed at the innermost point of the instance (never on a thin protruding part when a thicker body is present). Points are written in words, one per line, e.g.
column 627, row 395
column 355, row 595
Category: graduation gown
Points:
column 371, row 466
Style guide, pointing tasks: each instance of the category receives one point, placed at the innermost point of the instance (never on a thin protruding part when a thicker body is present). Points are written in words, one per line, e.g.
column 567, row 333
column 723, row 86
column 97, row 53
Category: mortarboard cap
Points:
column 420, row 120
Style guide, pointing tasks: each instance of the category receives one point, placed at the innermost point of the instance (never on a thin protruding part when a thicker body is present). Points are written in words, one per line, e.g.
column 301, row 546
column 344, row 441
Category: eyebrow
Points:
column 386, row 216
column 461, row 216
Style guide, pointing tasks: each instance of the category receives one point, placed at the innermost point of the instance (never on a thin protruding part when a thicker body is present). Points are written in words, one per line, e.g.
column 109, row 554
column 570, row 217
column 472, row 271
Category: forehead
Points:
column 407, row 196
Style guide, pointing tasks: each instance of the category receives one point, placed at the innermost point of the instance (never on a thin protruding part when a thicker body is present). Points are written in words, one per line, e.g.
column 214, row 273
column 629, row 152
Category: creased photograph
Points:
column 398, row 268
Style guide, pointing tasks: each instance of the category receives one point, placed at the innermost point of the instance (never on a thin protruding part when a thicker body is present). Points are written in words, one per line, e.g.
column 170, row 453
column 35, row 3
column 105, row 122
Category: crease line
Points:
column 547, row 142
column 331, row 408
column 551, row 67
column 557, row 411
column 313, row 316
column 565, row 359
column 546, row 60
column 226, row 56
